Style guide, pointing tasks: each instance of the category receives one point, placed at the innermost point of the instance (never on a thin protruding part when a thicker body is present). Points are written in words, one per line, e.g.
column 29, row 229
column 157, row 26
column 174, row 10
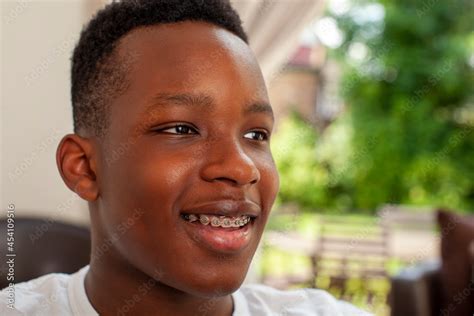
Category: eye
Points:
column 179, row 128
column 258, row 135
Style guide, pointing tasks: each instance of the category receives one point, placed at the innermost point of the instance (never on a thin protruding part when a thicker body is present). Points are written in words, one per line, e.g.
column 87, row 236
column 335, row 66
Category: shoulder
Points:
column 265, row 300
column 41, row 296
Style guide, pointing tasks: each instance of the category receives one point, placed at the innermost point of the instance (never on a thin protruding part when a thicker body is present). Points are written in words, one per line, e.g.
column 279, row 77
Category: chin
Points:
column 217, row 285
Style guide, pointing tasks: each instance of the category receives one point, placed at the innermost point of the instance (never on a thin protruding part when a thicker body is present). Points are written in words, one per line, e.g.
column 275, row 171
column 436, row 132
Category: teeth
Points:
column 215, row 222
column 226, row 223
column 221, row 221
column 204, row 219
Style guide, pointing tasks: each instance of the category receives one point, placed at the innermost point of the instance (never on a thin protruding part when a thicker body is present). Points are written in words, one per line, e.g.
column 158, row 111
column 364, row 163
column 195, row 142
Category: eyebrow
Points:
column 201, row 101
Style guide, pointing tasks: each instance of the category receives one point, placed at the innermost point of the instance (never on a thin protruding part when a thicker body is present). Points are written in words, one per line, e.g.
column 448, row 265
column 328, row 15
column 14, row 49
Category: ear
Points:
column 77, row 164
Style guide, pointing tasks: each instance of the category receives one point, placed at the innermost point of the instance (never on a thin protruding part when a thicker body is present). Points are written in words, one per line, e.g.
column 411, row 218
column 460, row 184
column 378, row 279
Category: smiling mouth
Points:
column 219, row 233
column 218, row 221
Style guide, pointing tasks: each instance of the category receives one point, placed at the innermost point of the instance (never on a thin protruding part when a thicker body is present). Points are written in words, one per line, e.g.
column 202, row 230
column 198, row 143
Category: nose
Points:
column 229, row 163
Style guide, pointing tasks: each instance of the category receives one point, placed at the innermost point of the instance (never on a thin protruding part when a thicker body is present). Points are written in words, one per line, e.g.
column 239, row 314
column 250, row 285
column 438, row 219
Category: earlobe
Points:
column 76, row 162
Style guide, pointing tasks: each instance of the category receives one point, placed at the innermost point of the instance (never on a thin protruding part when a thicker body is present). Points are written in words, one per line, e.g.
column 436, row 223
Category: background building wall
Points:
column 37, row 41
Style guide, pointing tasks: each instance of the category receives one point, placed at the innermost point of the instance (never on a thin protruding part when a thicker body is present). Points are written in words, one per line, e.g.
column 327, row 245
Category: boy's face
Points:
column 149, row 173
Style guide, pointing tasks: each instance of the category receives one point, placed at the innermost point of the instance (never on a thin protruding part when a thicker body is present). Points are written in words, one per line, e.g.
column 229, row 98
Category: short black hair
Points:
column 96, row 76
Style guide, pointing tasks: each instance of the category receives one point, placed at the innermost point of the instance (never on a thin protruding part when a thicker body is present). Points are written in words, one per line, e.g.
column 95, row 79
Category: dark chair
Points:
column 426, row 289
column 416, row 290
column 42, row 246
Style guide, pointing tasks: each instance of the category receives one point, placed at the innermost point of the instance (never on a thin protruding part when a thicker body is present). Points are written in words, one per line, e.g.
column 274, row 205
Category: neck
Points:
column 115, row 289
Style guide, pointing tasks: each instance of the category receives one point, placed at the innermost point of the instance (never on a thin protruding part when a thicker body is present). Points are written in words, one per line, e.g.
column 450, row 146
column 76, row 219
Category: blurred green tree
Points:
column 407, row 135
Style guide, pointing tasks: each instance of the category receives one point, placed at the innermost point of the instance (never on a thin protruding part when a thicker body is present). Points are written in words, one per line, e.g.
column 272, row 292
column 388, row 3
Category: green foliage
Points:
column 302, row 179
column 407, row 136
column 410, row 101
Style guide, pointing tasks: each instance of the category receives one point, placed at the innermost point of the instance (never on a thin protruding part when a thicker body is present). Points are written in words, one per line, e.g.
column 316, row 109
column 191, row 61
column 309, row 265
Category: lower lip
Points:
column 220, row 239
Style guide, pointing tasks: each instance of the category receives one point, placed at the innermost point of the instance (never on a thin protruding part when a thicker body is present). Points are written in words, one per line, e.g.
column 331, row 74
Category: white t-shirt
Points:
column 65, row 294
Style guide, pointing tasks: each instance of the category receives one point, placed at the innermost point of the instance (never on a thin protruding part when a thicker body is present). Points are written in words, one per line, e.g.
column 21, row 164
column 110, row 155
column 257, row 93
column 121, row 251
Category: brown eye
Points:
column 258, row 135
column 179, row 128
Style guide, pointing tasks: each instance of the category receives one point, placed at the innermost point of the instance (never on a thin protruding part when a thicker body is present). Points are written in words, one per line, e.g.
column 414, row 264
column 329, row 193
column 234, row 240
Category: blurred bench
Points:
column 347, row 249
column 411, row 232
column 344, row 249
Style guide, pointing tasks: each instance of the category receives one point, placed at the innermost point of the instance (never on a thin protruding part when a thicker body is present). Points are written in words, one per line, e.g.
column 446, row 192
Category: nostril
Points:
column 235, row 181
column 226, row 179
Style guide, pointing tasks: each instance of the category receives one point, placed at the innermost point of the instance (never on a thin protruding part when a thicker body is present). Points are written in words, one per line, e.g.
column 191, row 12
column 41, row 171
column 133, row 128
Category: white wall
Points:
column 37, row 39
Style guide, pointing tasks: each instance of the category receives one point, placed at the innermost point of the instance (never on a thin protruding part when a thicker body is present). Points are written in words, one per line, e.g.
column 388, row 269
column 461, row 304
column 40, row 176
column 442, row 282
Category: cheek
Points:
column 269, row 183
column 150, row 180
column 160, row 180
column 152, row 183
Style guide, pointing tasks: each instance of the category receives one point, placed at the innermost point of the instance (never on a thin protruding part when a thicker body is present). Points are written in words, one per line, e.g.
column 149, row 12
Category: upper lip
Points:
column 226, row 208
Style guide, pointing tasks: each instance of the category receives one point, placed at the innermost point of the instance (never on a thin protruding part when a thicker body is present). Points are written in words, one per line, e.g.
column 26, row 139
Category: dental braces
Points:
column 219, row 221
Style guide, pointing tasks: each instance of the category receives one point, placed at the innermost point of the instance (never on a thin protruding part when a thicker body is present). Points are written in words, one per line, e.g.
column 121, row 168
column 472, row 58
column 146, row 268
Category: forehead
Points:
column 184, row 43
column 186, row 57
